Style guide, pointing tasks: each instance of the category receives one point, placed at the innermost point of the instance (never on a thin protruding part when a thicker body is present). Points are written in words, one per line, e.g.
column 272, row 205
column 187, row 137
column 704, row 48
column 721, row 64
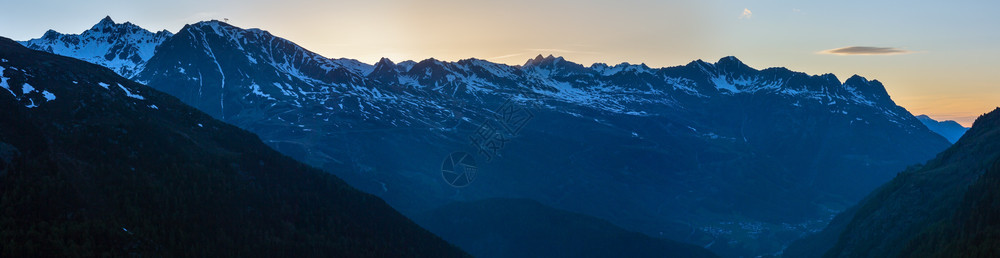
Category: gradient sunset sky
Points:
column 940, row 58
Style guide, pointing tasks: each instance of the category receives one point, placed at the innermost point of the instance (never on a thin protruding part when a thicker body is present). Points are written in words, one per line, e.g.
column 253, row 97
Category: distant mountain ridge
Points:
column 307, row 71
column 951, row 130
column 706, row 153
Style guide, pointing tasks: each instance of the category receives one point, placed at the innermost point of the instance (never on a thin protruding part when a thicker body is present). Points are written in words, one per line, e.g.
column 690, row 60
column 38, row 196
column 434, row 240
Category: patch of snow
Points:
column 406, row 80
column 3, row 82
column 48, row 95
column 26, row 88
column 722, row 83
column 283, row 89
column 104, row 85
column 255, row 89
column 129, row 93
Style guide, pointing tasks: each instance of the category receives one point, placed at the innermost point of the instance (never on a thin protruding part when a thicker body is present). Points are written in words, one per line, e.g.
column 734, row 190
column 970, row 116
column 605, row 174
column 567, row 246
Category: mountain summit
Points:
column 124, row 48
column 106, row 23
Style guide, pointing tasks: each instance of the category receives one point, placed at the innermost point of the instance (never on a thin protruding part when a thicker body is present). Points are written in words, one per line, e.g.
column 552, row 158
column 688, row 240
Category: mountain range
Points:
column 717, row 154
column 93, row 164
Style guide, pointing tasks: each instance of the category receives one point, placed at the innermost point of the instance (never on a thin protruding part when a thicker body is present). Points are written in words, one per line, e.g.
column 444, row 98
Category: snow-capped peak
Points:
column 540, row 60
column 122, row 47
column 51, row 35
column 105, row 23
column 385, row 62
column 605, row 70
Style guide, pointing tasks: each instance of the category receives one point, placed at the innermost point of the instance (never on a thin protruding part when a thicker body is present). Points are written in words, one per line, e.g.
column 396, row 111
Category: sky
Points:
column 939, row 58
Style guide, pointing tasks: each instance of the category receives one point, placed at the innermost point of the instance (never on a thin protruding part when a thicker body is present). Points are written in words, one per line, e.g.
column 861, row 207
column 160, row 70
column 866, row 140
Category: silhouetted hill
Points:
column 972, row 231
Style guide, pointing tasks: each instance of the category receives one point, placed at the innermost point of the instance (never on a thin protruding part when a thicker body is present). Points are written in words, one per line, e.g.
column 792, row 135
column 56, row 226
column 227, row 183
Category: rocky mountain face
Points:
column 717, row 154
column 93, row 164
column 951, row 130
column 247, row 69
column 124, row 48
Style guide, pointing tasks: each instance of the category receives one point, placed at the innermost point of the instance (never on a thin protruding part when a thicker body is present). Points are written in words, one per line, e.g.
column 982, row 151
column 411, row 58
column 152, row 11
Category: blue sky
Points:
column 947, row 51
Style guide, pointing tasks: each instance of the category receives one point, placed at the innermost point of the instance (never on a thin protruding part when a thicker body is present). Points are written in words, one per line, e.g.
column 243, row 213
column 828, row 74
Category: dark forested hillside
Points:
column 92, row 164
column 974, row 229
column 946, row 207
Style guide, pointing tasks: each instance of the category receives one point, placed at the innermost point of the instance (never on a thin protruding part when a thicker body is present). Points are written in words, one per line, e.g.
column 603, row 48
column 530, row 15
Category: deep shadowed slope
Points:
column 92, row 164
column 972, row 231
column 526, row 228
column 929, row 209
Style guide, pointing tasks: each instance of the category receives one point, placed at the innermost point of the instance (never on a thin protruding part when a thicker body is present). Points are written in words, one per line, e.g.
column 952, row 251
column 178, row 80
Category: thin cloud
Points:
column 506, row 56
column 747, row 14
column 859, row 50
column 557, row 50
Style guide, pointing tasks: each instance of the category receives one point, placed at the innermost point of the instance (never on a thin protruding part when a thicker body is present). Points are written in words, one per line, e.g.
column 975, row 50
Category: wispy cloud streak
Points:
column 506, row 56
column 859, row 50
column 747, row 14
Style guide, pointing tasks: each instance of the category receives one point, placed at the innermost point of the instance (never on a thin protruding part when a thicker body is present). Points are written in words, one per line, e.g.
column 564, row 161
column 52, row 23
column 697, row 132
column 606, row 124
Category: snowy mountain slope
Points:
column 209, row 64
column 704, row 153
column 123, row 47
